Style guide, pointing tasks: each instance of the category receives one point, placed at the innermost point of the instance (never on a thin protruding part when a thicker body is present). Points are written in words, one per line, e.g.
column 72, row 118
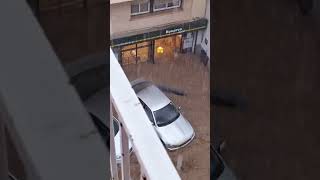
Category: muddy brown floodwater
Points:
column 187, row 73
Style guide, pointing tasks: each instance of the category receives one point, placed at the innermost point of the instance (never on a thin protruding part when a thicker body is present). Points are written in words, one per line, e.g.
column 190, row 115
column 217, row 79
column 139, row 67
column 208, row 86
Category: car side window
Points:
column 147, row 110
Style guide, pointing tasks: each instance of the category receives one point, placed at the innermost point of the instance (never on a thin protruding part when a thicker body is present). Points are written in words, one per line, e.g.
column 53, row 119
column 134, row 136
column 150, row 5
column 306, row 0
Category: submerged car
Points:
column 172, row 128
column 97, row 106
column 219, row 169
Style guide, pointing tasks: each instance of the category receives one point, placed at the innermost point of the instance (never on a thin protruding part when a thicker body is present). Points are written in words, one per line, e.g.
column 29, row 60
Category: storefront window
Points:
column 129, row 57
column 146, row 43
column 167, row 48
column 132, row 46
column 136, row 53
column 143, row 54
column 140, row 7
column 165, row 4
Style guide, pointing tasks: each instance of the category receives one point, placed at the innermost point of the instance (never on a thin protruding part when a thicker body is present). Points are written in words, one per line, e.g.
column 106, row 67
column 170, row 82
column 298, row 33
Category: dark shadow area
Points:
column 268, row 52
column 77, row 30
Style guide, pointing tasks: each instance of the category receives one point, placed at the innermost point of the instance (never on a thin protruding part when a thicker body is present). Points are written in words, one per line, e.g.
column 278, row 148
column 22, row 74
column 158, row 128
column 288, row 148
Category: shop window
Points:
column 129, row 47
column 140, row 7
column 165, row 4
column 146, row 43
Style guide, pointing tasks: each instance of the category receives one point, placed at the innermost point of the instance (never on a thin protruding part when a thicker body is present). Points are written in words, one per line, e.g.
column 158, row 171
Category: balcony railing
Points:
column 154, row 161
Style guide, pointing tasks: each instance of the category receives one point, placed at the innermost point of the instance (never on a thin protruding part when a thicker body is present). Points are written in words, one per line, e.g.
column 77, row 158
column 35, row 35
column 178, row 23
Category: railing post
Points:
column 114, row 168
column 125, row 154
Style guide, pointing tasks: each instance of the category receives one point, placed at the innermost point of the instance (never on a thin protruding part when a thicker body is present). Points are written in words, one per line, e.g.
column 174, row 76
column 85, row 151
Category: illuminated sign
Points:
column 174, row 30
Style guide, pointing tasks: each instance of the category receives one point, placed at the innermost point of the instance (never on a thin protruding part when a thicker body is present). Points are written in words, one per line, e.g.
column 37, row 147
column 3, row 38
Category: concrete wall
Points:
column 122, row 22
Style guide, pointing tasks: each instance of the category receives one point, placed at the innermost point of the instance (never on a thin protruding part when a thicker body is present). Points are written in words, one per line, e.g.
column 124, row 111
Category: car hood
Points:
column 176, row 133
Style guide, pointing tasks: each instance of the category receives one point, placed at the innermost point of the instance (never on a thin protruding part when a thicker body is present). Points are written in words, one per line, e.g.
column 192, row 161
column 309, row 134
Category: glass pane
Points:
column 176, row 2
column 132, row 46
column 134, row 8
column 168, row 47
column 129, row 57
column 170, row 3
column 158, row 4
column 143, row 54
column 144, row 7
column 149, row 114
column 166, row 115
column 144, row 43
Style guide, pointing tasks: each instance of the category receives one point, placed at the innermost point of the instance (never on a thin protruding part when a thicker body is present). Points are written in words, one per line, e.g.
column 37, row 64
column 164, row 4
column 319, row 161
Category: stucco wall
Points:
column 122, row 22
column 198, row 8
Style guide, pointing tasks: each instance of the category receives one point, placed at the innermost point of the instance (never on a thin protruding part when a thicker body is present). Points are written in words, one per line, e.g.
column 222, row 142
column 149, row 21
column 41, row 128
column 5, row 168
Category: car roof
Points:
column 98, row 105
column 153, row 97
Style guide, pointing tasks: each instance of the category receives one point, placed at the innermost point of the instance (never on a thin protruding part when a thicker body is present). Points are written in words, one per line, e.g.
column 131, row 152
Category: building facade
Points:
column 152, row 30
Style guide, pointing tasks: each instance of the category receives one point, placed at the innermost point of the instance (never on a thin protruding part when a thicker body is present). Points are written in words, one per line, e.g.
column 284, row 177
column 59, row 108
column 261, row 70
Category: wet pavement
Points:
column 269, row 53
column 187, row 73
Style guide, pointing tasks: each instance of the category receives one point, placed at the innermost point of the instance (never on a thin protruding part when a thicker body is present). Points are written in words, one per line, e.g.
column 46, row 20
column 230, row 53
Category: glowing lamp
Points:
column 160, row 50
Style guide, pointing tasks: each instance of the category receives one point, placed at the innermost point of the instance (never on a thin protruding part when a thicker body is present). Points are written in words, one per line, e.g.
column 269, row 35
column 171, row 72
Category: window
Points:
column 140, row 7
column 166, row 115
column 165, row 4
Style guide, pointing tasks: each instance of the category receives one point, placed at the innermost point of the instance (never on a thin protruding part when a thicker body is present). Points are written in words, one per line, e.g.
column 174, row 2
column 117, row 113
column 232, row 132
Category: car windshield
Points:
column 217, row 166
column 166, row 115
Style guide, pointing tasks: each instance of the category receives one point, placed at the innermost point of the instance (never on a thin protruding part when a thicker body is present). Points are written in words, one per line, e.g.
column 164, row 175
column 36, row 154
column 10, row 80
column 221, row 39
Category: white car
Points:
column 97, row 106
column 172, row 128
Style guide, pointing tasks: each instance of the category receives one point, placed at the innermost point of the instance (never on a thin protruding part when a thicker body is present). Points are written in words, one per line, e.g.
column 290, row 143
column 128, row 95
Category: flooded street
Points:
column 186, row 73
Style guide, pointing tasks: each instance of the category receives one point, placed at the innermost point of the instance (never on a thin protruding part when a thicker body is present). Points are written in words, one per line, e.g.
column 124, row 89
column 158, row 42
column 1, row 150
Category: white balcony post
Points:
column 113, row 168
column 125, row 163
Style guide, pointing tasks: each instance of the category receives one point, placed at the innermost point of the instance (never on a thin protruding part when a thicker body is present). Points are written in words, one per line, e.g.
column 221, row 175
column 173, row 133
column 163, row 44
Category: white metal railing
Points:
column 154, row 161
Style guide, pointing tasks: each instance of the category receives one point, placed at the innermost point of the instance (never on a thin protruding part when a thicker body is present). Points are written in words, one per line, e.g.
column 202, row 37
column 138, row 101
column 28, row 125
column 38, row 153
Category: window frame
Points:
column 166, row 8
column 138, row 13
